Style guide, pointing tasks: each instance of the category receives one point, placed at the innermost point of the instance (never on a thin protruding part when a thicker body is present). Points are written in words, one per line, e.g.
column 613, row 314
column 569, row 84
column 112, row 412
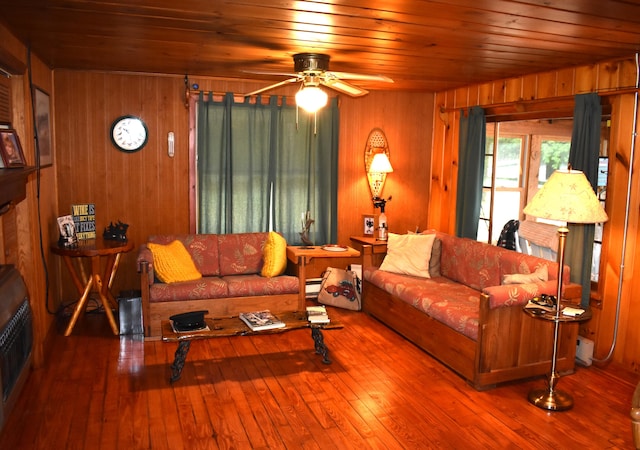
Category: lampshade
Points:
column 311, row 98
column 380, row 164
column 567, row 196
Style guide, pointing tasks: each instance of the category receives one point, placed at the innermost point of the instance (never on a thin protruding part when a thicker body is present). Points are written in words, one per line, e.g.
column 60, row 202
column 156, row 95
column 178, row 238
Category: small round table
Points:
column 93, row 249
column 550, row 398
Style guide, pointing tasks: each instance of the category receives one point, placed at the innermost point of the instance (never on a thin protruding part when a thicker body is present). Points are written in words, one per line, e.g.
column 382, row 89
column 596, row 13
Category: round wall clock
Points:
column 129, row 133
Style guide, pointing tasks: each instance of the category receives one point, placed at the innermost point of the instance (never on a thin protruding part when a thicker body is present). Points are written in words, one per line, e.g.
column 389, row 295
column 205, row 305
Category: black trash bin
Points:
column 130, row 312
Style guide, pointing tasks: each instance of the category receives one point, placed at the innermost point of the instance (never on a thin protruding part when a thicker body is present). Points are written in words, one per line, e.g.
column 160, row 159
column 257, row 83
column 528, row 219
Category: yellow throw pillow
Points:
column 173, row 263
column 274, row 254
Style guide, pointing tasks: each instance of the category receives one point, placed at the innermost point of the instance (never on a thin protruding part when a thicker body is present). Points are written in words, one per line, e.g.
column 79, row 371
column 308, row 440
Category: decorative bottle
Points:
column 382, row 226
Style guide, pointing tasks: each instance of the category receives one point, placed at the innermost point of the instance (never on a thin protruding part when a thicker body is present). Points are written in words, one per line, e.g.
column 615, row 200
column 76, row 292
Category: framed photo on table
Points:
column 369, row 224
column 42, row 110
column 10, row 149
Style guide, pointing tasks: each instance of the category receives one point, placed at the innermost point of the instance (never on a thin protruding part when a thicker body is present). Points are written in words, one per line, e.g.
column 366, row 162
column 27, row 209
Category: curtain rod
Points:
column 241, row 98
column 601, row 92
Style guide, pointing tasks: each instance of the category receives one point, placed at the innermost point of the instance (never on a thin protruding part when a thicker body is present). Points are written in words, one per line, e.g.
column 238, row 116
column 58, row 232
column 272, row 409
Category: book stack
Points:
column 317, row 314
column 312, row 287
column 261, row 320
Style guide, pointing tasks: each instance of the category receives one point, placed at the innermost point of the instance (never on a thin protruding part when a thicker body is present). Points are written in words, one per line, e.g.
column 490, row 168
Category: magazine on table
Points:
column 261, row 320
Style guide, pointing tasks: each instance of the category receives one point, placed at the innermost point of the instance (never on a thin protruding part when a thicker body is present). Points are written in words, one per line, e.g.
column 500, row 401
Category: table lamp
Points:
column 567, row 196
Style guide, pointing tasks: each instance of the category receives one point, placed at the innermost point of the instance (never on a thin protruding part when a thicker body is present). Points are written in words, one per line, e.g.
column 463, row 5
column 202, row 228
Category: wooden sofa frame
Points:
column 155, row 312
column 511, row 345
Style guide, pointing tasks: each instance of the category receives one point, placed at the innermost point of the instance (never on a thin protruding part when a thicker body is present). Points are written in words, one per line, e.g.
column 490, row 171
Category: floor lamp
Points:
column 567, row 196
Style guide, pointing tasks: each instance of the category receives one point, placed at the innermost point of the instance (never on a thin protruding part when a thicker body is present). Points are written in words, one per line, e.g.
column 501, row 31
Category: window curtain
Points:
column 583, row 155
column 261, row 166
column 471, row 156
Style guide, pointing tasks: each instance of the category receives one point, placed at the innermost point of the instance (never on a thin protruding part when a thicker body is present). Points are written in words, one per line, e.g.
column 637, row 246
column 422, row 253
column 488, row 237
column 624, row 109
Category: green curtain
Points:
column 261, row 166
column 583, row 155
column 471, row 155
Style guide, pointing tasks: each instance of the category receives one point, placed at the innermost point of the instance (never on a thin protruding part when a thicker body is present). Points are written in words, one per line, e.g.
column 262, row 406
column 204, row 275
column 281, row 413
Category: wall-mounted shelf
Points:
column 13, row 186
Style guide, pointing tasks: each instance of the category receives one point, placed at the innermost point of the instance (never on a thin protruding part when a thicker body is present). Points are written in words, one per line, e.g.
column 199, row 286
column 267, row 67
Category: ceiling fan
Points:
column 312, row 70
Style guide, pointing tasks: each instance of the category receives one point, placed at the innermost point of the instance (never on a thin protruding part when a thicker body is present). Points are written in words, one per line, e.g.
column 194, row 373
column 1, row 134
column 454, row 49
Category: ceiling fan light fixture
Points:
column 311, row 98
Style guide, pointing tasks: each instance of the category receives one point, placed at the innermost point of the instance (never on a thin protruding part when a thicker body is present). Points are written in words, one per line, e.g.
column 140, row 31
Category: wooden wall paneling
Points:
column 628, row 75
column 629, row 335
column 565, row 82
column 19, row 230
column 485, row 94
column 621, row 131
column 436, row 191
column 461, row 97
column 12, row 52
column 444, row 165
column 473, row 95
column 529, row 86
column 354, row 194
column 513, row 89
column 500, row 91
column 586, row 79
column 410, row 138
column 402, row 117
column 601, row 328
column 9, row 237
column 451, row 170
column 547, row 85
column 618, row 73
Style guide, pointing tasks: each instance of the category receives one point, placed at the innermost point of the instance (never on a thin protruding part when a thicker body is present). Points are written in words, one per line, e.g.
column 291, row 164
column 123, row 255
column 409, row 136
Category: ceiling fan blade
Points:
column 264, row 72
column 273, row 86
column 344, row 87
column 359, row 76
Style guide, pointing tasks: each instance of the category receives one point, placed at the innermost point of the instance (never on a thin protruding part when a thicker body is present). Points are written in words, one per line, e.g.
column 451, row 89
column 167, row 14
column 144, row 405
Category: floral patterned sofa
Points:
column 467, row 319
column 231, row 280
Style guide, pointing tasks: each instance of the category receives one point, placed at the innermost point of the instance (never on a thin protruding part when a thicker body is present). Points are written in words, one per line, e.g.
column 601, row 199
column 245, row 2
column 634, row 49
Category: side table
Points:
column 550, row 398
column 309, row 262
column 378, row 249
column 94, row 249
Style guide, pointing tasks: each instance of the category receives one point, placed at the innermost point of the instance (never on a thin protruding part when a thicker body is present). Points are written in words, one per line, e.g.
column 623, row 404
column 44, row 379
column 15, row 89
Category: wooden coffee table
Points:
column 233, row 326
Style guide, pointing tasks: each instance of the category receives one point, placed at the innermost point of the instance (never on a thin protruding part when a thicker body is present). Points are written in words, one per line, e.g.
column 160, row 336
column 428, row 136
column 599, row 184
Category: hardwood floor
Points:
column 98, row 391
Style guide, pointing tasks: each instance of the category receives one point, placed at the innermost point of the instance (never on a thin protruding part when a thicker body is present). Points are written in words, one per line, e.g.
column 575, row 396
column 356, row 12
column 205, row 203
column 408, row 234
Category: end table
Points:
column 101, row 281
column 309, row 262
column 550, row 398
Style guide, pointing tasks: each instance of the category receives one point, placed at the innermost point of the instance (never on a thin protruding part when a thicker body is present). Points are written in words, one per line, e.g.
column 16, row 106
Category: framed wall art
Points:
column 369, row 223
column 10, row 149
column 42, row 110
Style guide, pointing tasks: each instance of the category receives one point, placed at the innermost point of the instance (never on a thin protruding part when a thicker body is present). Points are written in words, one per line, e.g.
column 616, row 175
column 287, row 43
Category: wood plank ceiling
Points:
column 421, row 44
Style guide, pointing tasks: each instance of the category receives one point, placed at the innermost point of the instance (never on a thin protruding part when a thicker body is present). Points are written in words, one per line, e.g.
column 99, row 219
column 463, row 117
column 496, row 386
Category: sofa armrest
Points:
column 367, row 256
column 144, row 263
column 518, row 294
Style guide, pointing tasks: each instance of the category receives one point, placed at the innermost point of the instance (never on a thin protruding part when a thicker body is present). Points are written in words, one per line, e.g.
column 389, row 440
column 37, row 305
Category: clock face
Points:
column 129, row 133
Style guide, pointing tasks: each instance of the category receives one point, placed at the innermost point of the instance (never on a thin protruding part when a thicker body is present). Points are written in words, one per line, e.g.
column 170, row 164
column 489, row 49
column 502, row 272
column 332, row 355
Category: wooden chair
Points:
column 635, row 416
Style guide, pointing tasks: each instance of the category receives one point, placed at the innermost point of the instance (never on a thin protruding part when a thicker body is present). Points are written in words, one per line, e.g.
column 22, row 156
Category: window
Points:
column 258, row 166
column 503, row 182
column 519, row 158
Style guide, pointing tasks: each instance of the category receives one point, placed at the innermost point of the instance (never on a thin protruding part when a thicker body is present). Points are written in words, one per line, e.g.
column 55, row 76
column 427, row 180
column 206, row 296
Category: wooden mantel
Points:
column 13, row 186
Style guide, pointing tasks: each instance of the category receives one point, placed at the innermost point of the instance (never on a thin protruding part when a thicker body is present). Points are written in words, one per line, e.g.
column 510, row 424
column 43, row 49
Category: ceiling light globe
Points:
column 311, row 98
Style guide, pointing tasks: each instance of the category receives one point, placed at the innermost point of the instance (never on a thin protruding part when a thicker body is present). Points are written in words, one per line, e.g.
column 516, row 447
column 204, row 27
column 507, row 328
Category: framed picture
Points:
column 369, row 224
column 10, row 149
column 43, row 126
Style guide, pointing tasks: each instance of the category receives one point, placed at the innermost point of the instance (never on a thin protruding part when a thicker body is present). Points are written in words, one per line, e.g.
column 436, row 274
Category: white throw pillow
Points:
column 541, row 274
column 408, row 254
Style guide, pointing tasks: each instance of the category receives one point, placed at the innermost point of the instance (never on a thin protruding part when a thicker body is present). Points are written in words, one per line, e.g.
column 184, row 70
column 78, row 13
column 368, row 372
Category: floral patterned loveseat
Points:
column 467, row 319
column 231, row 283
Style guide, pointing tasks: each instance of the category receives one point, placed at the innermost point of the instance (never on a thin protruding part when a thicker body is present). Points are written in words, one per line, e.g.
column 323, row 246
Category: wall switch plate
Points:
column 170, row 144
